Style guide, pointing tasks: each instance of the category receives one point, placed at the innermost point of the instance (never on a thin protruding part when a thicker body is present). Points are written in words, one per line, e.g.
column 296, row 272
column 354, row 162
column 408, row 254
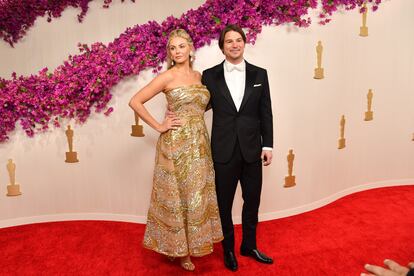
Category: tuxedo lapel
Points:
column 224, row 89
column 248, row 89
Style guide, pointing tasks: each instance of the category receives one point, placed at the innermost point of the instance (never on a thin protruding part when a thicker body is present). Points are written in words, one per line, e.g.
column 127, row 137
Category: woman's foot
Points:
column 187, row 264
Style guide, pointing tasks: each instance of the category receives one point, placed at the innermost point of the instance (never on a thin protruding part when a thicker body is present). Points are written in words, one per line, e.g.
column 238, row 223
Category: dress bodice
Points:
column 188, row 100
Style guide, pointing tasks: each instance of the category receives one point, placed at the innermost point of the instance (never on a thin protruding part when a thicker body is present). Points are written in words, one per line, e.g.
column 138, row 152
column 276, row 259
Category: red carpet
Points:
column 337, row 239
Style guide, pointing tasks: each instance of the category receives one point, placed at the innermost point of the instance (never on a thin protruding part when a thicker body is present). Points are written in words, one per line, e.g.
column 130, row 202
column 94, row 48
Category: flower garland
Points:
column 17, row 16
column 84, row 81
column 331, row 6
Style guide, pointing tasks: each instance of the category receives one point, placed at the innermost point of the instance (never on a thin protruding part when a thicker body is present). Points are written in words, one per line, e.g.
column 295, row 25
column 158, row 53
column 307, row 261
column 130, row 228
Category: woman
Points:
column 183, row 218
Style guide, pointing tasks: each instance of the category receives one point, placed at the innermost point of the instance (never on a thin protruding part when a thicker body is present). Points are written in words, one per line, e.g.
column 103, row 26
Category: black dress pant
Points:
column 227, row 177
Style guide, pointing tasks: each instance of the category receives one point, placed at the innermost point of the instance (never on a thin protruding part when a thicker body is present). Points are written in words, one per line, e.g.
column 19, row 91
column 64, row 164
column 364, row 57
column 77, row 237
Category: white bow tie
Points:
column 239, row 67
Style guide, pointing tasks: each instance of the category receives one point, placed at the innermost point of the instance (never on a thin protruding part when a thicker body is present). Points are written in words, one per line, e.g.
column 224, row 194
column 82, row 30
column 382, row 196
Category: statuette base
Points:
column 369, row 116
column 71, row 157
column 290, row 181
column 318, row 74
column 341, row 143
column 13, row 190
column 363, row 31
column 137, row 131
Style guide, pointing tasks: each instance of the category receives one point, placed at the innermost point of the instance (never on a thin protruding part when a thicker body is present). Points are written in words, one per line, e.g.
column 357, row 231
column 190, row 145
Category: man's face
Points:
column 233, row 47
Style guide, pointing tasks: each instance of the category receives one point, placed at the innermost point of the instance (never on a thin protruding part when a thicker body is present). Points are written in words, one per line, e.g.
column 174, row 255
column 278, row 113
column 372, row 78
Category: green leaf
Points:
column 217, row 20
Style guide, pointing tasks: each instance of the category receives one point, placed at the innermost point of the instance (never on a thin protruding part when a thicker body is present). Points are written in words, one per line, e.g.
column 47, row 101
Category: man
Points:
column 241, row 139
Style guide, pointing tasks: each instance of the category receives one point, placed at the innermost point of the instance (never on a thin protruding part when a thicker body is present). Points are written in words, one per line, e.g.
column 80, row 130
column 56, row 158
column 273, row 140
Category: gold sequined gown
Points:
column 183, row 217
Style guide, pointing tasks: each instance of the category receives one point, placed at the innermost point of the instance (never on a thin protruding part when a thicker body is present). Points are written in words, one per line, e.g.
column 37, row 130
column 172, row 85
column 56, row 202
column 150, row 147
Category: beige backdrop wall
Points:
column 114, row 177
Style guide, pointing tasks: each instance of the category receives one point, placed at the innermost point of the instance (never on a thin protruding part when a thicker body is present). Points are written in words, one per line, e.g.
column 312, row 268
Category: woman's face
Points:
column 179, row 50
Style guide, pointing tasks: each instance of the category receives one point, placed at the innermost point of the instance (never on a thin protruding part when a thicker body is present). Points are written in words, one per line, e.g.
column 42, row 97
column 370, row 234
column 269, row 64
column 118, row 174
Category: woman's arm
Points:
column 148, row 92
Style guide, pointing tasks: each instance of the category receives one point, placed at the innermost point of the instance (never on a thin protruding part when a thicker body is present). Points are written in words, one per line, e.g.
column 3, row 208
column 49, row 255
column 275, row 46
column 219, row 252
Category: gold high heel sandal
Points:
column 187, row 264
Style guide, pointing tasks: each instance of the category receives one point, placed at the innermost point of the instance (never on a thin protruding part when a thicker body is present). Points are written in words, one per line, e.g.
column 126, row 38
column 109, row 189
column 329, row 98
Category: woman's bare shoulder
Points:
column 167, row 75
column 164, row 78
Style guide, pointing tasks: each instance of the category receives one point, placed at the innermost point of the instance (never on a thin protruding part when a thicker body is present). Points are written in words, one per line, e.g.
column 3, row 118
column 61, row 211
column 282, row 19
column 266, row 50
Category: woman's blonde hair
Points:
column 183, row 34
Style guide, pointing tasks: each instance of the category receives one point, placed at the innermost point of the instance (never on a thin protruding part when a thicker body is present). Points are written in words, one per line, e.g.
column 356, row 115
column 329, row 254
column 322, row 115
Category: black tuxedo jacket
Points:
column 252, row 125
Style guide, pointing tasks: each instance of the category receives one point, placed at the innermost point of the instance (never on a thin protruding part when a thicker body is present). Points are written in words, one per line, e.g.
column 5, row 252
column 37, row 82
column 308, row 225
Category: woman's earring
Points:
column 172, row 62
column 191, row 56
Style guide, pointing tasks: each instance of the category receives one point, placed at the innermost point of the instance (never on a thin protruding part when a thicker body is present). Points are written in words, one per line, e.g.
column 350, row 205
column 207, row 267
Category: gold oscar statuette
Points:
column 319, row 70
column 13, row 189
column 341, row 141
column 137, row 129
column 363, row 30
column 290, row 180
column 369, row 115
column 71, row 156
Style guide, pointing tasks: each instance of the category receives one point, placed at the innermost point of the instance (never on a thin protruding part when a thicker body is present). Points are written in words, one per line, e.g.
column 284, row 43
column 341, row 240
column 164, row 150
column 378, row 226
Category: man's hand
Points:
column 266, row 157
column 394, row 269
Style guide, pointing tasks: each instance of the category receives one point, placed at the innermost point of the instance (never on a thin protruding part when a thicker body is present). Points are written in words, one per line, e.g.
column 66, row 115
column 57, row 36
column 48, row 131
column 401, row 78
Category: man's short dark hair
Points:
column 227, row 29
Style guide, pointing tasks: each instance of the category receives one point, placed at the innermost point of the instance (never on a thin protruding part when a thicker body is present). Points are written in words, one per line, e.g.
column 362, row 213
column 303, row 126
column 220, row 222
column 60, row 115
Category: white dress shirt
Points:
column 235, row 76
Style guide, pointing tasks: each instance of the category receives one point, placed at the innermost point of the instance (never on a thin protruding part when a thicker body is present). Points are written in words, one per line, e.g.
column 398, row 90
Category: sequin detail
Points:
column 183, row 217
